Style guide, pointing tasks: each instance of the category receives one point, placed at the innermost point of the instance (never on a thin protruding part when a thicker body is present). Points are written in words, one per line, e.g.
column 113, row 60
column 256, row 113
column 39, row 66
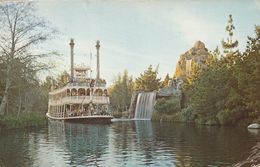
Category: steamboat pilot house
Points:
column 81, row 98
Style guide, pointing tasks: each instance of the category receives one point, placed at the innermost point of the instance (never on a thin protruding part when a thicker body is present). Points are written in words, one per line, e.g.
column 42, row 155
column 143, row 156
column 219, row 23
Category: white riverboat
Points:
column 81, row 99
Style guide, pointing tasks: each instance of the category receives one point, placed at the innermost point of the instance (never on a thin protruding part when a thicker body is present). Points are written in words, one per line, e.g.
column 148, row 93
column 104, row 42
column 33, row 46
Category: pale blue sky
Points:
column 135, row 34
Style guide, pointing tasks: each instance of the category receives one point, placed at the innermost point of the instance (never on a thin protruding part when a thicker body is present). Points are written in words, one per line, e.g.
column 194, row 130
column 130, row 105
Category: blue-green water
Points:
column 128, row 143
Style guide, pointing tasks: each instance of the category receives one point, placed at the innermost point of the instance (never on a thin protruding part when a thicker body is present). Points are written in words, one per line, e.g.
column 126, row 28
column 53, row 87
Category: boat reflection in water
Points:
column 143, row 143
column 126, row 143
column 83, row 144
column 100, row 145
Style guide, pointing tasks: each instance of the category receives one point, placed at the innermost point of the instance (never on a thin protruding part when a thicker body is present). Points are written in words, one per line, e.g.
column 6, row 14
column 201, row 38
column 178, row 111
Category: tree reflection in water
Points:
column 146, row 143
column 126, row 143
column 14, row 149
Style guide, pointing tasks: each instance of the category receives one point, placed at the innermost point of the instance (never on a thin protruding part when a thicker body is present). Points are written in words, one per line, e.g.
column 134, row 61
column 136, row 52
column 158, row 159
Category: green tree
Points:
column 168, row 105
column 208, row 92
column 214, row 57
column 166, row 81
column 121, row 92
column 248, row 72
column 229, row 44
column 227, row 94
column 21, row 31
column 231, row 56
column 148, row 81
column 49, row 83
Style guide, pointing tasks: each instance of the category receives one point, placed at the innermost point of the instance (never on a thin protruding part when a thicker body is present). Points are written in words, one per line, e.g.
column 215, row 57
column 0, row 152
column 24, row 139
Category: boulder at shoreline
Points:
column 254, row 126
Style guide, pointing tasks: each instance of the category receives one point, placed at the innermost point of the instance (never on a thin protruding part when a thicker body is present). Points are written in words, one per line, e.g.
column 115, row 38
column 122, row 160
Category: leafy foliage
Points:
column 24, row 120
column 248, row 72
column 121, row 92
column 168, row 106
column 229, row 44
column 148, row 81
column 227, row 93
column 166, row 81
column 21, row 32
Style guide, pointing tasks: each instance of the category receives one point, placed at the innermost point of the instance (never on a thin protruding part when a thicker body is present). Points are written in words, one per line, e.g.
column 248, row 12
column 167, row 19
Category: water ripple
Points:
column 127, row 143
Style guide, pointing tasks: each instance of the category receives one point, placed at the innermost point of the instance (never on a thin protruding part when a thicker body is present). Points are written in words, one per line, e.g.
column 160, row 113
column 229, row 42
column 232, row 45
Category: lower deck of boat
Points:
column 93, row 119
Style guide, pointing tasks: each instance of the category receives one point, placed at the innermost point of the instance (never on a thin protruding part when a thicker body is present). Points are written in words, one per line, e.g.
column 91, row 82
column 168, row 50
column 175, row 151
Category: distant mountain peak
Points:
column 198, row 54
column 199, row 45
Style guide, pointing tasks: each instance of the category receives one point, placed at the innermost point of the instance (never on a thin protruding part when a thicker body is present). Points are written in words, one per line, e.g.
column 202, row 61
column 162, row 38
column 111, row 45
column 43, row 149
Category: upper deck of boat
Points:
column 79, row 85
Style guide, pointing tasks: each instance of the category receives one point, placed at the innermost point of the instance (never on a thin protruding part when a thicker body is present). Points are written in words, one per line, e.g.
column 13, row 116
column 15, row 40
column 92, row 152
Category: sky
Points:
column 135, row 34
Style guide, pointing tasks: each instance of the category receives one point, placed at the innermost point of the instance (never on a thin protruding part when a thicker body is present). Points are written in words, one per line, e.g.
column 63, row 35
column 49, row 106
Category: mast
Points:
column 90, row 65
column 98, row 65
column 72, row 59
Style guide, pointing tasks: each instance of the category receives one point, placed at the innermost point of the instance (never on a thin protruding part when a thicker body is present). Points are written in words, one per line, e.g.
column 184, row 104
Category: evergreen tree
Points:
column 248, row 72
column 166, row 81
column 229, row 44
column 216, row 54
column 148, row 81
column 121, row 92
column 231, row 56
column 225, row 95
column 208, row 92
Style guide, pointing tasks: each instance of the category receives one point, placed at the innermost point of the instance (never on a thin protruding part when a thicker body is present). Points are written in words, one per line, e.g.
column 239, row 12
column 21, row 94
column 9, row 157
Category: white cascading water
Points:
column 144, row 105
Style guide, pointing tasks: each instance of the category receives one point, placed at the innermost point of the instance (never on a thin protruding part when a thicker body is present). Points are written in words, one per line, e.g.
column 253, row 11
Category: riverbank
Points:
column 25, row 120
column 124, row 114
column 182, row 117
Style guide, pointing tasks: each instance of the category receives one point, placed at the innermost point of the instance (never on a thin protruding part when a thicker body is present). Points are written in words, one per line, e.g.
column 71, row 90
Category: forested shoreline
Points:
column 225, row 92
column 23, row 96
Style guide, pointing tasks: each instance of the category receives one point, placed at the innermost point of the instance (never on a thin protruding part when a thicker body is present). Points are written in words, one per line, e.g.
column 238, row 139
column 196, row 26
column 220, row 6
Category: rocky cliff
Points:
column 196, row 56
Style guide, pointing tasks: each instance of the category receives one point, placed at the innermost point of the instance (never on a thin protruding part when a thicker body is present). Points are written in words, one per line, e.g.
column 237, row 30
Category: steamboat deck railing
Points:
column 80, row 100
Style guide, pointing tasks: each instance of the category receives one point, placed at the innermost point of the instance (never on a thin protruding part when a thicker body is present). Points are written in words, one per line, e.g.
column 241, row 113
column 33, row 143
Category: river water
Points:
column 126, row 143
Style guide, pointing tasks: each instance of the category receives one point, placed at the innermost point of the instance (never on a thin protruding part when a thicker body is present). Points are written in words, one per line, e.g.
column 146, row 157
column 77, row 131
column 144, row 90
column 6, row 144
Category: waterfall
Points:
column 133, row 104
column 144, row 105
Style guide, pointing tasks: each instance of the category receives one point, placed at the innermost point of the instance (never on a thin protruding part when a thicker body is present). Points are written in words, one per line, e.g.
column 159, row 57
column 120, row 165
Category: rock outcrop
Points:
column 196, row 56
column 254, row 126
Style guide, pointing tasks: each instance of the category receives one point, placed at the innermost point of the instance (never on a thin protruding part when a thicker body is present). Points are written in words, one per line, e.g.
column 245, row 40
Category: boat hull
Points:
column 94, row 119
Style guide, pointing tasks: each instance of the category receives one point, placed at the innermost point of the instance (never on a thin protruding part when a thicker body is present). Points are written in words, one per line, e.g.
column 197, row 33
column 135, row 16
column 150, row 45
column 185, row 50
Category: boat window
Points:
column 88, row 92
column 105, row 92
column 68, row 92
column 73, row 92
column 81, row 92
column 98, row 92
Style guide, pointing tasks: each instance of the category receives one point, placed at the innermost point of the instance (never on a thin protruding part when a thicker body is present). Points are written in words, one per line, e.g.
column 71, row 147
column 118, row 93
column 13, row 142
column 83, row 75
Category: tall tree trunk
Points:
column 7, row 106
column 6, row 93
column 20, row 103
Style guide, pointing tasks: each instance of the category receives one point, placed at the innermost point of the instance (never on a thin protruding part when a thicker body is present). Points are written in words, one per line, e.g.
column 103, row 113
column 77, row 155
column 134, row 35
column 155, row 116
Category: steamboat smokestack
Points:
column 72, row 59
column 98, row 65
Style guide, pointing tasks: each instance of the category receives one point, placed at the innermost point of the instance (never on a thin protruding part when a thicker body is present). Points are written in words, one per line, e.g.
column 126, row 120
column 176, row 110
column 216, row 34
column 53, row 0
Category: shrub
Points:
column 163, row 117
column 230, row 117
column 168, row 106
column 32, row 119
column 117, row 114
column 186, row 115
